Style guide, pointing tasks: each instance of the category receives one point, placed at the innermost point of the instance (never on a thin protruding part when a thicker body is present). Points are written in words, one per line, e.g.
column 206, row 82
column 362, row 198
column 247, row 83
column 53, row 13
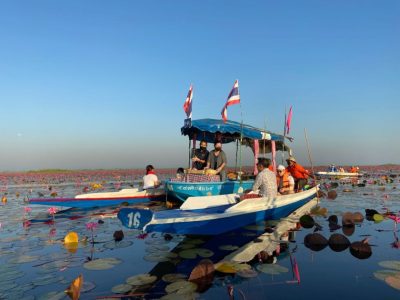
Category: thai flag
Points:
column 187, row 106
column 233, row 98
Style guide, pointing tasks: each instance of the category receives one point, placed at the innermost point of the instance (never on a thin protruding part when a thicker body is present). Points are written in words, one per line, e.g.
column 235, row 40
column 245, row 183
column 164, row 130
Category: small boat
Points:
column 211, row 215
column 259, row 140
column 337, row 174
column 130, row 196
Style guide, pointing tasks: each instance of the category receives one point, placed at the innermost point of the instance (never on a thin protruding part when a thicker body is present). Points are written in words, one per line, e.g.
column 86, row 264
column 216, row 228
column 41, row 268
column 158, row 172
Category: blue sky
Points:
column 101, row 84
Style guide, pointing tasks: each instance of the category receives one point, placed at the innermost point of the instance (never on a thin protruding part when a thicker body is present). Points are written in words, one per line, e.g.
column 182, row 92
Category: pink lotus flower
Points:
column 91, row 226
column 27, row 209
column 26, row 223
column 52, row 210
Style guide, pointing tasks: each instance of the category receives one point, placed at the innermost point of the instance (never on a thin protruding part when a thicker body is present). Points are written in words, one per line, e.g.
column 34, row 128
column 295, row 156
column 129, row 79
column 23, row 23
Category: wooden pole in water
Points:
column 309, row 157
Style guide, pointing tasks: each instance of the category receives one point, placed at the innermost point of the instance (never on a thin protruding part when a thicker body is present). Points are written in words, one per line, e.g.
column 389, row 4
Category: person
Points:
column 200, row 156
column 284, row 181
column 298, row 172
column 150, row 180
column 265, row 182
column 180, row 173
column 217, row 160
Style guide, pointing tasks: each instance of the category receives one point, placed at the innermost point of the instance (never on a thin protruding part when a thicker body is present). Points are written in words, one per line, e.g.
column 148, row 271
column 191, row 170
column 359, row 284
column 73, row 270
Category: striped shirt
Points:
column 266, row 183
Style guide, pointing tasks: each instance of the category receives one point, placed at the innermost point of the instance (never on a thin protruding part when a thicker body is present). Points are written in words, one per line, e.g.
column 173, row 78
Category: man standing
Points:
column 217, row 160
column 200, row 156
column 265, row 182
column 299, row 174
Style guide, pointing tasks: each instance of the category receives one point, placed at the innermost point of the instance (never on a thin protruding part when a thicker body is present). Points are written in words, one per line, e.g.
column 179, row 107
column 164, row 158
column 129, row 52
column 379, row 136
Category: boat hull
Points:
column 337, row 174
column 218, row 219
column 103, row 199
column 184, row 190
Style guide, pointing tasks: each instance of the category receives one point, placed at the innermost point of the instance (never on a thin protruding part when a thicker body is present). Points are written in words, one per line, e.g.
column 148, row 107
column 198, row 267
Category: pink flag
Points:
column 187, row 106
column 289, row 120
column 256, row 151
column 233, row 98
column 273, row 153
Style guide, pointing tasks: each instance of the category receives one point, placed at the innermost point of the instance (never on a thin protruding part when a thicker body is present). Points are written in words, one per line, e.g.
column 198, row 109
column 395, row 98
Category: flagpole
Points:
column 284, row 137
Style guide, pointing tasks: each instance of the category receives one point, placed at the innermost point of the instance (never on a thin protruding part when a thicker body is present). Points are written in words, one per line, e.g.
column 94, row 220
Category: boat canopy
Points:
column 226, row 132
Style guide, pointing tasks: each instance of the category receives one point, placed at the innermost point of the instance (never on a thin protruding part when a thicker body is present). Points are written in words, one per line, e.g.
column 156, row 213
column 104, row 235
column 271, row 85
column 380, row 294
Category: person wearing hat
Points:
column 284, row 181
column 298, row 172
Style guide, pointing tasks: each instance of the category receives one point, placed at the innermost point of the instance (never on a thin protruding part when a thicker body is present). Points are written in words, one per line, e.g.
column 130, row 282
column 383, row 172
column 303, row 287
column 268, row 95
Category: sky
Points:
column 101, row 84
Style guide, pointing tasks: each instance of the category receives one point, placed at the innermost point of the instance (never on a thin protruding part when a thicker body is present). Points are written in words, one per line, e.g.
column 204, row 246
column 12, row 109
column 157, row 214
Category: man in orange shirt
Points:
column 299, row 174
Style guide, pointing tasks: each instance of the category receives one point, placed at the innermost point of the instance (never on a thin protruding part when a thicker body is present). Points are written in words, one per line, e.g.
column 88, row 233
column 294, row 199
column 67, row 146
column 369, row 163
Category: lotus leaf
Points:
column 231, row 267
column 390, row 264
column 393, row 281
column 121, row 288
column 181, row 287
column 141, row 279
column 228, row 247
column 101, row 264
column 382, row 274
column 272, row 269
column 193, row 253
column 377, row 218
column 174, row 277
column 307, row 221
column 250, row 273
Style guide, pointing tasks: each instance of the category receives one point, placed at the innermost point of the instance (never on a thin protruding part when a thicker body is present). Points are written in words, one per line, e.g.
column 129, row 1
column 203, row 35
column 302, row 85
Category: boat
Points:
column 129, row 196
column 259, row 140
column 337, row 174
column 211, row 215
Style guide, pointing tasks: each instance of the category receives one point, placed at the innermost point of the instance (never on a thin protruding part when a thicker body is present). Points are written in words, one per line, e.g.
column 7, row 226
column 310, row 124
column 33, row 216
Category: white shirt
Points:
column 149, row 181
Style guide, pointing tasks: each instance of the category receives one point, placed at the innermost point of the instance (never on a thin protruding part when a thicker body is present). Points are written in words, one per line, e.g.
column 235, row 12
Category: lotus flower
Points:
column 27, row 209
column 91, row 226
column 52, row 210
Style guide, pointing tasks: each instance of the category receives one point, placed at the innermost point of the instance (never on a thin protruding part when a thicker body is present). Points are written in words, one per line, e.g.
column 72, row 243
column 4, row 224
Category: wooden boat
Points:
column 226, row 132
column 130, row 196
column 337, row 174
column 211, row 215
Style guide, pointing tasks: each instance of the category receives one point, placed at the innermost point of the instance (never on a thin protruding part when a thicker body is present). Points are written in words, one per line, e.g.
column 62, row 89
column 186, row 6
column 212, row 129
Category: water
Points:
column 36, row 265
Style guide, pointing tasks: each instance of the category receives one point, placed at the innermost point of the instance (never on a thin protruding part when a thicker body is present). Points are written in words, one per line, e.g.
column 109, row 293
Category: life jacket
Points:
column 297, row 171
column 283, row 182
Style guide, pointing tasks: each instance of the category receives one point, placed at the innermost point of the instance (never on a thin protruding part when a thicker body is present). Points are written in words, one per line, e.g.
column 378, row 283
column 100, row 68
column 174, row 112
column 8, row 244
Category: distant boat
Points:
column 211, row 215
column 337, row 174
column 226, row 132
column 130, row 196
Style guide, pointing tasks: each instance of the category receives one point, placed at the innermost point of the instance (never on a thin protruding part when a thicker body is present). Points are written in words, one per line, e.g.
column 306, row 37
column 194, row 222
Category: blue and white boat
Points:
column 211, row 215
column 129, row 196
column 226, row 132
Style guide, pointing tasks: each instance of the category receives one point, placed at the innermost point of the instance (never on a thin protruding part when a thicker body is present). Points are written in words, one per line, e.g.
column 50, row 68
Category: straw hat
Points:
column 281, row 167
column 291, row 158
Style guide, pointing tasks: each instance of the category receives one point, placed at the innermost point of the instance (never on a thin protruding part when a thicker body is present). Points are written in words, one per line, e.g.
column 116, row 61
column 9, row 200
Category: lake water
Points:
column 35, row 264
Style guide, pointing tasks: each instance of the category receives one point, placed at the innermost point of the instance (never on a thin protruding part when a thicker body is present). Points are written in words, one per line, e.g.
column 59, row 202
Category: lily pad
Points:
column 249, row 273
column 378, row 218
column 272, row 269
column 160, row 257
column 117, row 245
column 393, row 281
column 23, row 259
column 231, row 267
column 315, row 241
column 228, row 247
column 173, row 277
column 390, row 264
column 193, row 253
column 121, row 288
column 141, row 279
column 102, row 264
column 181, row 287
column 382, row 274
